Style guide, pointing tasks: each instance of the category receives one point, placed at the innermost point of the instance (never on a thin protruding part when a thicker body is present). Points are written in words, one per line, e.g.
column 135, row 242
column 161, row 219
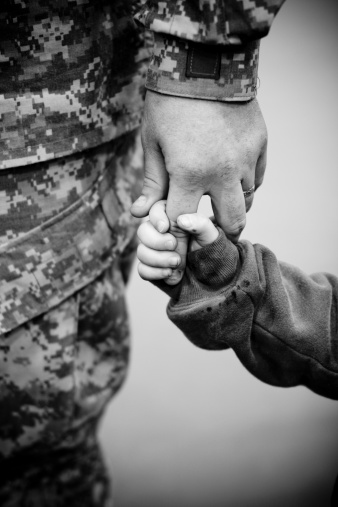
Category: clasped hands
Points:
column 193, row 148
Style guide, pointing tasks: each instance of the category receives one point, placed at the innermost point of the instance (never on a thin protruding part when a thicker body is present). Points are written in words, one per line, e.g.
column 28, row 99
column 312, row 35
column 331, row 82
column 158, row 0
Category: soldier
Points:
column 71, row 99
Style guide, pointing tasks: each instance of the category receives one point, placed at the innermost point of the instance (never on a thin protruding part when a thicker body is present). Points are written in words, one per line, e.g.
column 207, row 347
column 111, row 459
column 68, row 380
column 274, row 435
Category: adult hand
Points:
column 194, row 147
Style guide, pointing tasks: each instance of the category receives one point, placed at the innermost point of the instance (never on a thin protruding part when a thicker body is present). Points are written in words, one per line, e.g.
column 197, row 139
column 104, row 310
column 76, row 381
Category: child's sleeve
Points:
column 281, row 323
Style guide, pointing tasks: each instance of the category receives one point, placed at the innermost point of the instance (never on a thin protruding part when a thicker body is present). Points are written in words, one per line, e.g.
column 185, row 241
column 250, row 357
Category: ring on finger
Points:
column 249, row 192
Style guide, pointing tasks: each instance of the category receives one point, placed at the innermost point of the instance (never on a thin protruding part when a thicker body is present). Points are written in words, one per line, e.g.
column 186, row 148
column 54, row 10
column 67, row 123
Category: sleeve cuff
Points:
column 212, row 268
column 188, row 69
column 215, row 265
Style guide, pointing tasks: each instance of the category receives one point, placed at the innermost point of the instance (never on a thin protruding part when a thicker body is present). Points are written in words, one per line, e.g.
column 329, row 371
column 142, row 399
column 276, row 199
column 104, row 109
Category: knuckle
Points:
column 204, row 221
column 141, row 230
column 159, row 207
column 151, row 184
column 232, row 159
column 237, row 226
column 139, row 250
column 176, row 231
column 157, row 213
column 158, row 243
column 188, row 173
column 230, row 167
column 140, row 271
column 241, row 224
column 169, row 238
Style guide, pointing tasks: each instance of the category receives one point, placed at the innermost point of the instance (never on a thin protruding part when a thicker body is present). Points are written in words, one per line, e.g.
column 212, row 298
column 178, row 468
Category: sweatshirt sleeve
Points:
column 281, row 322
column 206, row 49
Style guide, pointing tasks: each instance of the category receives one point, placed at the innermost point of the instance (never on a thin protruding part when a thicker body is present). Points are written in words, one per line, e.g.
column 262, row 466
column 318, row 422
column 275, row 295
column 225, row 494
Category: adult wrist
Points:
column 212, row 72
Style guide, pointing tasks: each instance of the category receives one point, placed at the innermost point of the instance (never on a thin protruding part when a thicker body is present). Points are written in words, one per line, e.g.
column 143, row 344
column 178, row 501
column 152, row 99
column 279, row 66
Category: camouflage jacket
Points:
column 208, row 48
column 73, row 71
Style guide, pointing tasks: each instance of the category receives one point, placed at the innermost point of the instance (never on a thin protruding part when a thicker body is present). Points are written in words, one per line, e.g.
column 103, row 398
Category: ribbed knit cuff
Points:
column 216, row 264
column 188, row 69
column 212, row 267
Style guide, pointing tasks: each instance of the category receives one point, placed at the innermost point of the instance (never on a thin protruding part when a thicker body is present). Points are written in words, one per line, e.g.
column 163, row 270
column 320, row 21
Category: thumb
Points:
column 180, row 201
column 200, row 227
column 155, row 184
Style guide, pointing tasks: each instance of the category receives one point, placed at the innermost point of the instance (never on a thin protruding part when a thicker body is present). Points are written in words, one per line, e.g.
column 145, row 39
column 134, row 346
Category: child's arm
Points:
column 156, row 250
column 281, row 323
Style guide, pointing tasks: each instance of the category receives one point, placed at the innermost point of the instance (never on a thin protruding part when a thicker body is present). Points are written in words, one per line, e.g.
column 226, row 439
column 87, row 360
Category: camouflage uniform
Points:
column 71, row 93
column 207, row 49
column 64, row 342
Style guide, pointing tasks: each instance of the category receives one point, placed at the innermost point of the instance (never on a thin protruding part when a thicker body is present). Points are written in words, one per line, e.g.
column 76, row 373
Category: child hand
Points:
column 156, row 251
column 202, row 230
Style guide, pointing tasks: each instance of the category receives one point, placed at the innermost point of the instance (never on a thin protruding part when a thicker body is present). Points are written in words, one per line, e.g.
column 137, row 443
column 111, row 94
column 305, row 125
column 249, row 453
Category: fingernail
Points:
column 174, row 261
column 176, row 275
column 169, row 244
column 140, row 201
column 161, row 225
column 185, row 221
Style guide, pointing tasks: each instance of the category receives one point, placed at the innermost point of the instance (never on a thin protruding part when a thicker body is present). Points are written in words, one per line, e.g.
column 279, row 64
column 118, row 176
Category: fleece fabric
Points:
column 281, row 323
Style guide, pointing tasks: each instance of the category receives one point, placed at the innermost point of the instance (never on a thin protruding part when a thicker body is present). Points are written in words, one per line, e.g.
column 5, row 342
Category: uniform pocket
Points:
column 64, row 338
column 36, row 382
column 48, row 264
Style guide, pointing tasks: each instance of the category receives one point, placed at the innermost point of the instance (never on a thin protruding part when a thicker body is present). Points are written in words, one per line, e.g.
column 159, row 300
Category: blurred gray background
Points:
column 193, row 428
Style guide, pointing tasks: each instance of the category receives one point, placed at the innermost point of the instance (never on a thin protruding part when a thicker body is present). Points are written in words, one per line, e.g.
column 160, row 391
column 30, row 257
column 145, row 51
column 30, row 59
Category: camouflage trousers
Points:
column 66, row 241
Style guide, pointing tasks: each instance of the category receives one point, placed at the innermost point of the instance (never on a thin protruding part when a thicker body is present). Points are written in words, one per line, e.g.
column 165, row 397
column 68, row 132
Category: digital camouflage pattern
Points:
column 60, row 365
column 72, row 76
column 71, row 96
column 237, row 78
column 232, row 27
column 210, row 21
column 59, row 372
column 50, row 262
column 38, row 193
column 73, row 71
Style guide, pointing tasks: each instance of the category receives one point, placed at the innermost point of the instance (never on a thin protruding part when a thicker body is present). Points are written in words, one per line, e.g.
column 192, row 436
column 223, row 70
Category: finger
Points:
column 151, row 238
column 248, row 194
column 202, row 229
column 228, row 204
column 180, row 201
column 155, row 184
column 150, row 273
column 260, row 167
column 156, row 258
column 158, row 217
column 248, row 188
